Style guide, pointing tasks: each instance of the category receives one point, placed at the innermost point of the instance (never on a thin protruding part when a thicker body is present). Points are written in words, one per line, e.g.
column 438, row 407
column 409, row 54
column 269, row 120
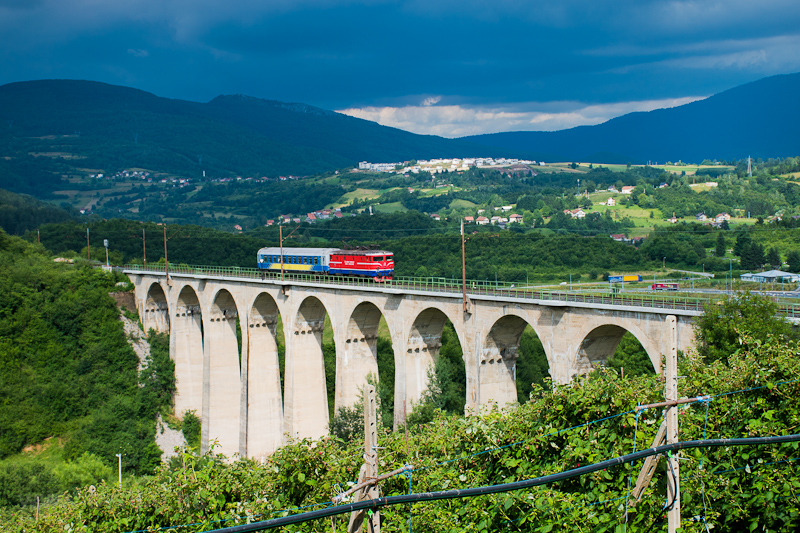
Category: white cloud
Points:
column 458, row 121
column 431, row 100
column 137, row 52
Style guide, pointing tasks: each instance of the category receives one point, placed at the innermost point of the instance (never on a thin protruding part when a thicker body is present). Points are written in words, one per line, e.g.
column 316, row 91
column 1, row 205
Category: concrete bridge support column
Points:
column 221, row 380
column 498, row 362
column 421, row 352
column 306, row 414
column 264, row 405
column 186, row 348
column 357, row 355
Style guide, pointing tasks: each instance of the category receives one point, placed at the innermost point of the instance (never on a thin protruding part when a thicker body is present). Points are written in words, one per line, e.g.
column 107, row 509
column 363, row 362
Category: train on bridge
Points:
column 377, row 265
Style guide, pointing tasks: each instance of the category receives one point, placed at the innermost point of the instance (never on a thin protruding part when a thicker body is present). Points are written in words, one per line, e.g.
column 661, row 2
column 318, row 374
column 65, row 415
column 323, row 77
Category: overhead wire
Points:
column 503, row 487
column 408, row 473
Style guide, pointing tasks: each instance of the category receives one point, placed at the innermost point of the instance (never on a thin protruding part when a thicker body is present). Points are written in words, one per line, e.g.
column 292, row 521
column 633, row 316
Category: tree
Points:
column 722, row 327
column 720, row 249
column 631, row 357
column 743, row 241
column 773, row 258
column 793, row 258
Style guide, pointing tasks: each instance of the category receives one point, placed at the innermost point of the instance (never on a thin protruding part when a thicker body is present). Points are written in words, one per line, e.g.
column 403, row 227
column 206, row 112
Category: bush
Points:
column 191, row 427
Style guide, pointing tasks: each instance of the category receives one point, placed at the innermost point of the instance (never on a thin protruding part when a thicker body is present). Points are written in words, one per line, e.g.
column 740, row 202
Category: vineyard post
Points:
column 369, row 470
column 671, row 415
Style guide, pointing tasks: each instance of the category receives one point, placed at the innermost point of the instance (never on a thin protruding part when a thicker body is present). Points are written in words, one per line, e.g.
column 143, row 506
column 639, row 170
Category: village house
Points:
column 515, row 218
column 469, row 220
column 701, row 217
column 722, row 217
column 610, row 202
column 435, row 216
column 575, row 213
column 482, row 221
column 628, row 189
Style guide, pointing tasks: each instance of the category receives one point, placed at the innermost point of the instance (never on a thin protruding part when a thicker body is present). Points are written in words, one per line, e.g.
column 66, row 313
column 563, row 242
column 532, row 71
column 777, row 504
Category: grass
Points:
column 461, row 204
column 362, row 194
column 394, row 207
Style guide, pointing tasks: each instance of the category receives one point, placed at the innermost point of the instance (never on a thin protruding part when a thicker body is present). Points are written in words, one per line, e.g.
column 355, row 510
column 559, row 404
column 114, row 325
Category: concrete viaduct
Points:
column 238, row 392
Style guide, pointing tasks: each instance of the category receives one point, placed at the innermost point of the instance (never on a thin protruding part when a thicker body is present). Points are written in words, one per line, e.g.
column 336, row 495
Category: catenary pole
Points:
column 166, row 261
column 280, row 232
column 463, row 268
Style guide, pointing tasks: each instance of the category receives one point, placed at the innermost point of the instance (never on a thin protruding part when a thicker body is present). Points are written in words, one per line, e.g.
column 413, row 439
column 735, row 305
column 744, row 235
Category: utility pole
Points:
column 671, row 415
column 369, row 470
column 668, row 431
column 88, row 253
column 166, row 261
column 105, row 243
column 280, row 230
column 119, row 456
column 280, row 235
column 464, row 270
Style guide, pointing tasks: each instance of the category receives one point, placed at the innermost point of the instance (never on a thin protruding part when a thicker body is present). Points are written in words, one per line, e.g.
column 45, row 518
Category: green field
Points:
column 394, row 207
column 462, row 204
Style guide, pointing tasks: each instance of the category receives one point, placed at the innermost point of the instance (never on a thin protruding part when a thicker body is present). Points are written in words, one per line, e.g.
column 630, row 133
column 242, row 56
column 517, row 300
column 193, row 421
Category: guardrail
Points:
column 474, row 288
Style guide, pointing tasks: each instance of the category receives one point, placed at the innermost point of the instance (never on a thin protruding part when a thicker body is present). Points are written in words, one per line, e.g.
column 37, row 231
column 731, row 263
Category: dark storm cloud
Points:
column 504, row 57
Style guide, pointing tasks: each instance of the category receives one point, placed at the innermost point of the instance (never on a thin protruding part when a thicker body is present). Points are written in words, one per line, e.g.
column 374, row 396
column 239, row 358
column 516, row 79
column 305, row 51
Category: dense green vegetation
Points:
column 733, row 488
column 20, row 213
column 66, row 369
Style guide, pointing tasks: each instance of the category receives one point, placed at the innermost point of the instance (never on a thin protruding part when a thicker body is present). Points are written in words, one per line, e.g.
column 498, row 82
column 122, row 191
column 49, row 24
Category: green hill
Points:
column 757, row 119
column 53, row 128
column 20, row 213
column 66, row 369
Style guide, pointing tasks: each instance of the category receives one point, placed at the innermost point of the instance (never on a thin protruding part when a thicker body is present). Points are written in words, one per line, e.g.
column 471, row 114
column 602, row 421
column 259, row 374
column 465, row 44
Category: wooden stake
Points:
column 369, row 470
column 649, row 467
column 671, row 415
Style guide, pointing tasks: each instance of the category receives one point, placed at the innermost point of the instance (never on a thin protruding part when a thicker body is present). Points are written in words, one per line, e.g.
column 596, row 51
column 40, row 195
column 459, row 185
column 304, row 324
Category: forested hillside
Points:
column 56, row 127
column 68, row 373
column 20, row 213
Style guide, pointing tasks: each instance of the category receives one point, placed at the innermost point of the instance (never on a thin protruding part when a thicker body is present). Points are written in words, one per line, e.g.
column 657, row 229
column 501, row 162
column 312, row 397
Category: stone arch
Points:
column 156, row 309
column 423, row 342
column 358, row 357
column 264, row 403
column 221, row 419
column 600, row 343
column 497, row 364
column 306, row 404
column 186, row 340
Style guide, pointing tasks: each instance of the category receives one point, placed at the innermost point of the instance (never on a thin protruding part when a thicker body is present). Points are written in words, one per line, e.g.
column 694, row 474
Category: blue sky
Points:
column 445, row 67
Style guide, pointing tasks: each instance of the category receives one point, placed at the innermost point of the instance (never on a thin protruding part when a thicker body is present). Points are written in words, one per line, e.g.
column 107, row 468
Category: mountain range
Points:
column 51, row 128
column 758, row 119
